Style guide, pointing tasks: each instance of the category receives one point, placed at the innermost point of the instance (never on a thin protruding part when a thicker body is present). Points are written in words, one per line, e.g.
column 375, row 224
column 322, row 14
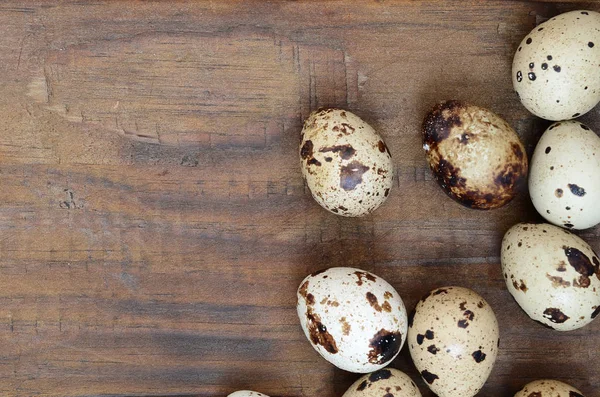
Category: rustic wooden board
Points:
column 155, row 225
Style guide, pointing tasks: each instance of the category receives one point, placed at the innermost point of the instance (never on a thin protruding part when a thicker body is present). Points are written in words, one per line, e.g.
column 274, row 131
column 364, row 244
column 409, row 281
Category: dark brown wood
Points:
column 155, row 225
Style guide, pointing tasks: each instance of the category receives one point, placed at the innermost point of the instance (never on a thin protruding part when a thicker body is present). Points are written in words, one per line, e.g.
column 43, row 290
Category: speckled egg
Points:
column 552, row 274
column 564, row 182
column 556, row 69
column 476, row 157
column 346, row 164
column 246, row 393
column 453, row 339
column 384, row 383
column 353, row 318
column 548, row 388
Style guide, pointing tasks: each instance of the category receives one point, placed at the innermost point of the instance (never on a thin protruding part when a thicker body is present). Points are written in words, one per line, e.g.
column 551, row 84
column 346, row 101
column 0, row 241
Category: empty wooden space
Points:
column 154, row 224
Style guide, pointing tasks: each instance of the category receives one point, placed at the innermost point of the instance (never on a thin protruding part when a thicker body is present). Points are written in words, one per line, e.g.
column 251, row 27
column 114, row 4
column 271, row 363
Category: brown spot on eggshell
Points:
column 351, row 175
column 362, row 386
column 555, row 315
column 386, row 307
column 345, row 151
column 517, row 151
column 576, row 190
column 382, row 374
column 463, row 323
column 581, row 263
column 432, row 349
column 384, row 346
column 478, row 356
column 521, row 286
column 373, row 301
column 303, row 290
column 440, row 120
column 345, row 326
column 366, row 275
column 319, row 334
column 535, row 394
column 313, row 161
column 347, row 128
column 387, row 295
column 558, row 281
column 306, row 151
column 429, row 377
column 469, row 315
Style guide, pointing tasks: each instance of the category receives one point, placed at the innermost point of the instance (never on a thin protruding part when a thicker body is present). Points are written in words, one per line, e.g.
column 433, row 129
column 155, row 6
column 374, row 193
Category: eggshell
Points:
column 384, row 383
column 353, row 318
column 246, row 393
column 552, row 274
column 476, row 157
column 556, row 69
column 564, row 182
column 453, row 340
column 548, row 388
column 346, row 164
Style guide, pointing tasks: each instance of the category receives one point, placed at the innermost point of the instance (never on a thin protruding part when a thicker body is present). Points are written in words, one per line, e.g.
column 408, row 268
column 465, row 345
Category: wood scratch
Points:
column 48, row 79
column 21, row 52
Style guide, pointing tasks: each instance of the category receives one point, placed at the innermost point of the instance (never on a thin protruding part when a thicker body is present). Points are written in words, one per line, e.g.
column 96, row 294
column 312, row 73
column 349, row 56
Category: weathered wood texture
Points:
column 154, row 221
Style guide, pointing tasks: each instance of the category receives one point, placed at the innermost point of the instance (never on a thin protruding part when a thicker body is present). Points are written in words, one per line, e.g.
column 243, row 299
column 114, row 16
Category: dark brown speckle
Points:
column 319, row 334
column 576, row 190
column 380, row 375
column 555, row 315
column 478, row 356
column 351, row 175
column 345, row 151
column 384, row 346
column 429, row 377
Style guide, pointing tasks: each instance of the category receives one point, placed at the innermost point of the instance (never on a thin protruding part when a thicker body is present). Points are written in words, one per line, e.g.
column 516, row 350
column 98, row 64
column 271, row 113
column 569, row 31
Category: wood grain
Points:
column 155, row 224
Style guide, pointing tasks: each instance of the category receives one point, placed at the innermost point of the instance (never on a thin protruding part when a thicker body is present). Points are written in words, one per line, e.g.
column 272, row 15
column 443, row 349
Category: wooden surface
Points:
column 154, row 222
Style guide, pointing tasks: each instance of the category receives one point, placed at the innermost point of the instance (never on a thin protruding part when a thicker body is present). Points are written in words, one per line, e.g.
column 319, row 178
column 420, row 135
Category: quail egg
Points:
column 347, row 166
column 453, row 339
column 552, row 274
column 354, row 319
column 556, row 69
column 564, row 182
column 476, row 157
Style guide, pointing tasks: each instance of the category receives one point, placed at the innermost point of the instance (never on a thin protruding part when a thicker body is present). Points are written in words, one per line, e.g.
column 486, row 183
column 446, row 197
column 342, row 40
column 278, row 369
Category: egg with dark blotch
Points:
column 346, row 165
column 476, row 157
column 552, row 274
column 247, row 393
column 549, row 388
column 354, row 319
column 384, row 383
column 556, row 68
column 453, row 339
column 564, row 180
